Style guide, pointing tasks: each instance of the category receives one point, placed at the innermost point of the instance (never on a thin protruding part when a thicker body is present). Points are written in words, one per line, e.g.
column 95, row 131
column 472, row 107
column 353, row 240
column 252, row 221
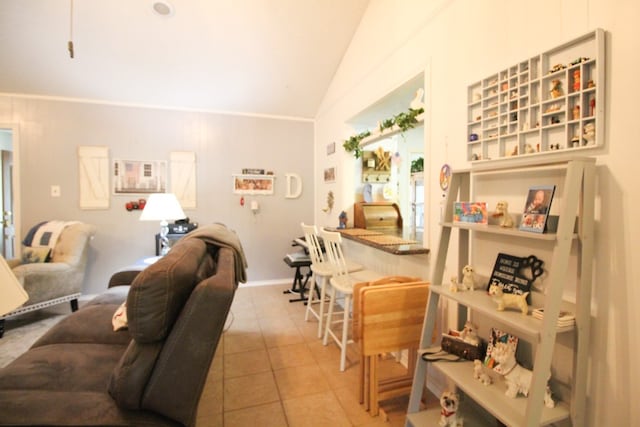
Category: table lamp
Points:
column 162, row 207
column 12, row 295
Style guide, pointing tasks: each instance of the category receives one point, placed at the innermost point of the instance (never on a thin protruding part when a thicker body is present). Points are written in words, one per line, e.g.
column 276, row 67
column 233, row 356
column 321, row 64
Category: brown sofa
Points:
column 81, row 372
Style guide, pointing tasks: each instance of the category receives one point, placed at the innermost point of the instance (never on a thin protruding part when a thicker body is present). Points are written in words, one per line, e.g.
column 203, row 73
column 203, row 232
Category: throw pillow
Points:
column 32, row 255
column 119, row 319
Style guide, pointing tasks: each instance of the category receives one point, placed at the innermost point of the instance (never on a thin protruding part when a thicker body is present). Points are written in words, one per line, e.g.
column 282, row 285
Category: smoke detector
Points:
column 163, row 8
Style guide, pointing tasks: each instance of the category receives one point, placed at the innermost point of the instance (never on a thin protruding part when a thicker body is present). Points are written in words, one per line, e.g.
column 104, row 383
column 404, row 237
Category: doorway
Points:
column 8, row 202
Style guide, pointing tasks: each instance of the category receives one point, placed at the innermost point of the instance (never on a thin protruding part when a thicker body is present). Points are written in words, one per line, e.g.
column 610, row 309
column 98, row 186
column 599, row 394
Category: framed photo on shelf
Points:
column 537, row 207
column 471, row 212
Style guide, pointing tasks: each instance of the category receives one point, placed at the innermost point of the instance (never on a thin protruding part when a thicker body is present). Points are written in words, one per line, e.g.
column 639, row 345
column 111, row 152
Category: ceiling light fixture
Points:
column 163, row 8
column 70, row 42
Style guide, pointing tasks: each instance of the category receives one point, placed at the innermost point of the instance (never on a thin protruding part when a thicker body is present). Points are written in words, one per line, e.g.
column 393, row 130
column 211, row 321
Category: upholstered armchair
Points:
column 60, row 278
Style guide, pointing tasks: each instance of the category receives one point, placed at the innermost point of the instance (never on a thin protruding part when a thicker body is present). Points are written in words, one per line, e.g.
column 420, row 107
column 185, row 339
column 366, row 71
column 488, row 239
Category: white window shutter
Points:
column 183, row 178
column 93, row 174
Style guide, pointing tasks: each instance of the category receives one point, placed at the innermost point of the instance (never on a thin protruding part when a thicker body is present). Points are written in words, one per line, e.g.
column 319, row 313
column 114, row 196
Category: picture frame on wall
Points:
column 536, row 208
column 330, row 174
column 139, row 176
column 253, row 184
column 331, row 148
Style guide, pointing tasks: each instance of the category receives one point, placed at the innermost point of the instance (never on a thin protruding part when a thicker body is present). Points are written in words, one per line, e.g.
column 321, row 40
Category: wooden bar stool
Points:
column 321, row 270
column 341, row 281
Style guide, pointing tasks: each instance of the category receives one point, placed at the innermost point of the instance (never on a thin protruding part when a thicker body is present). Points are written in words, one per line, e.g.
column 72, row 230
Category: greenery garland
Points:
column 404, row 121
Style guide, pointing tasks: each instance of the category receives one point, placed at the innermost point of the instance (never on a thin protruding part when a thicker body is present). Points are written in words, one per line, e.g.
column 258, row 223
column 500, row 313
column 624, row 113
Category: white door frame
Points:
column 17, row 221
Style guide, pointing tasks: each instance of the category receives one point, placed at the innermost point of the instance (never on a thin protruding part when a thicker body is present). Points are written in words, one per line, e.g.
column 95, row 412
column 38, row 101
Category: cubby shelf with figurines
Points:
column 550, row 103
column 545, row 355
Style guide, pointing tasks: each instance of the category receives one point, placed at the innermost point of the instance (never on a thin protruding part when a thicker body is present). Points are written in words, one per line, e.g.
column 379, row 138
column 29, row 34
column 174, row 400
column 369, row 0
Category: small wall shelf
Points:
column 517, row 112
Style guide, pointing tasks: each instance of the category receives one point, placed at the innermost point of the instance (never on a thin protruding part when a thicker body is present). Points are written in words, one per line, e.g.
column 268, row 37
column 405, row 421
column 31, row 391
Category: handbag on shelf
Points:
column 454, row 344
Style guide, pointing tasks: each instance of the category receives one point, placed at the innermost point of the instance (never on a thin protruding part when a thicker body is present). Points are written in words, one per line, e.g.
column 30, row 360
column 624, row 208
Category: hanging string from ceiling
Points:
column 70, row 43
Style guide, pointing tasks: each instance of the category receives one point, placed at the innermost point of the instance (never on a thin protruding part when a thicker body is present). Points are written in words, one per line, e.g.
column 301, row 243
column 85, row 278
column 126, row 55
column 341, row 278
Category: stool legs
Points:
column 343, row 340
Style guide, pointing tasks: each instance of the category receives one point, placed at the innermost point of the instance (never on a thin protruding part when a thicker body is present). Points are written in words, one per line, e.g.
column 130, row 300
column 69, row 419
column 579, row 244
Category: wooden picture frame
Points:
column 330, row 174
column 253, row 184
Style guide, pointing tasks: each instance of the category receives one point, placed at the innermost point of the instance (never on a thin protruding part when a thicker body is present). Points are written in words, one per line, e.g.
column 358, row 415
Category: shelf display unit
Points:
column 570, row 248
column 550, row 103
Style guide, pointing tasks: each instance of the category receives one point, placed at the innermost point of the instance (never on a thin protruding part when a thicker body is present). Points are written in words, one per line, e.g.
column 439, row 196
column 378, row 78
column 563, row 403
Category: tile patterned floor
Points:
column 272, row 370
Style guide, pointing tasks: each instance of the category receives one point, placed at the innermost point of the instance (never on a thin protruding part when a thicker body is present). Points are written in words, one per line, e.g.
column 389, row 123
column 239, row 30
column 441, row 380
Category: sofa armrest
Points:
column 14, row 262
column 123, row 278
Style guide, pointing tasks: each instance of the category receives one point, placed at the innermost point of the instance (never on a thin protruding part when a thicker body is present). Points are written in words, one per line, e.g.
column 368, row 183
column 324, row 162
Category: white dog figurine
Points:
column 453, row 284
column 502, row 211
column 449, row 403
column 467, row 278
column 469, row 333
column 517, row 377
column 509, row 300
column 479, row 373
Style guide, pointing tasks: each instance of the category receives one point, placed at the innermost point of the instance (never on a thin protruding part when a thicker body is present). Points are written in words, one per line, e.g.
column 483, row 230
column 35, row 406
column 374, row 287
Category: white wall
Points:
column 457, row 42
column 51, row 130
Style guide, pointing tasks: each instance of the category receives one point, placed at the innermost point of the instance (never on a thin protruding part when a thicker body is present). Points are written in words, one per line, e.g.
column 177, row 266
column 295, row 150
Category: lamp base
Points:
column 164, row 240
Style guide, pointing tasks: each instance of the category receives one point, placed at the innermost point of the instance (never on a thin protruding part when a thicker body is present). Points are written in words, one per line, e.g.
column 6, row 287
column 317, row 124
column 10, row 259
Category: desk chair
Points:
column 320, row 269
column 341, row 281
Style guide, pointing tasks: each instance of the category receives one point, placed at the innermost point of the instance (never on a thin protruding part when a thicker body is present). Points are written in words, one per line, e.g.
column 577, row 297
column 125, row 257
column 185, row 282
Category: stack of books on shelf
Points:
column 565, row 318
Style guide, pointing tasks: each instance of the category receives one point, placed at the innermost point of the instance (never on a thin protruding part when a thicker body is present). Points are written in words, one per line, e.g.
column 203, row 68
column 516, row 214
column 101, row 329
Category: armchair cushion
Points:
column 31, row 255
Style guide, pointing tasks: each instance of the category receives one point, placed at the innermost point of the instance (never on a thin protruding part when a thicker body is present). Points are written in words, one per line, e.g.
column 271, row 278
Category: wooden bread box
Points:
column 377, row 215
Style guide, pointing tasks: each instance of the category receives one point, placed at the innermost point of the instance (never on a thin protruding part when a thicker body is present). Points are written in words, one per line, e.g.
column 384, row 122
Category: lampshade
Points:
column 12, row 295
column 162, row 207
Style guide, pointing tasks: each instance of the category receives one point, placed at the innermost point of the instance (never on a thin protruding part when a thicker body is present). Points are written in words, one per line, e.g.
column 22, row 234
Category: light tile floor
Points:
column 272, row 370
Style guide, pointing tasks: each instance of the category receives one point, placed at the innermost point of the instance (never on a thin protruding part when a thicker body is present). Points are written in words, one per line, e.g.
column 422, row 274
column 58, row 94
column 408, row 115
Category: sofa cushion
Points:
column 158, row 293
column 90, row 325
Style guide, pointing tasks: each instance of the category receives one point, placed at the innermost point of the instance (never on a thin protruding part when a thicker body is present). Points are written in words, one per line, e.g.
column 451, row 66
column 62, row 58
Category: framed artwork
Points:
column 331, row 148
column 537, row 207
column 473, row 212
column 139, row 176
column 330, row 174
column 253, row 184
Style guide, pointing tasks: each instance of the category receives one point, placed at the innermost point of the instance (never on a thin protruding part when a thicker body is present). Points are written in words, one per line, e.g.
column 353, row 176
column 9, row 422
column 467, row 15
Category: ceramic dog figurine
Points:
column 479, row 373
column 509, row 300
column 502, row 211
column 467, row 278
column 449, row 402
column 469, row 333
column 518, row 378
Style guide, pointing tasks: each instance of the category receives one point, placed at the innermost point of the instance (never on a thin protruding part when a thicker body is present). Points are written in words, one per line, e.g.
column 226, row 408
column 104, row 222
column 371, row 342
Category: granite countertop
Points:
column 408, row 243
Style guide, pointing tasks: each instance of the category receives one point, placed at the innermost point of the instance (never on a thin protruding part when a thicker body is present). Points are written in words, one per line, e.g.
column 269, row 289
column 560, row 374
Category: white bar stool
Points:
column 321, row 270
column 341, row 281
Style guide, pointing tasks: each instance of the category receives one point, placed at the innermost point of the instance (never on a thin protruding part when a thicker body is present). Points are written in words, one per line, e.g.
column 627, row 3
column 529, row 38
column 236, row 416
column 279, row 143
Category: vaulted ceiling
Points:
column 271, row 57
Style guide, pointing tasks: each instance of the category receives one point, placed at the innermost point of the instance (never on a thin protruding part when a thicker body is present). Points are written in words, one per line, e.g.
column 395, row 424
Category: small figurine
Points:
column 509, row 300
column 517, row 377
column 575, row 141
column 467, row 278
column 555, row 120
column 453, row 284
column 514, row 152
column 502, row 211
column 479, row 373
column 589, row 133
column 528, row 149
column 342, row 218
column 556, row 88
column 576, row 80
column 576, row 112
column 449, row 403
column 556, row 68
column 592, row 106
column 469, row 333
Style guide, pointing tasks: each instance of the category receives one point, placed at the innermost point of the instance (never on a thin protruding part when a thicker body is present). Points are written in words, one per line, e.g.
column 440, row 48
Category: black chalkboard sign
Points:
column 515, row 274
